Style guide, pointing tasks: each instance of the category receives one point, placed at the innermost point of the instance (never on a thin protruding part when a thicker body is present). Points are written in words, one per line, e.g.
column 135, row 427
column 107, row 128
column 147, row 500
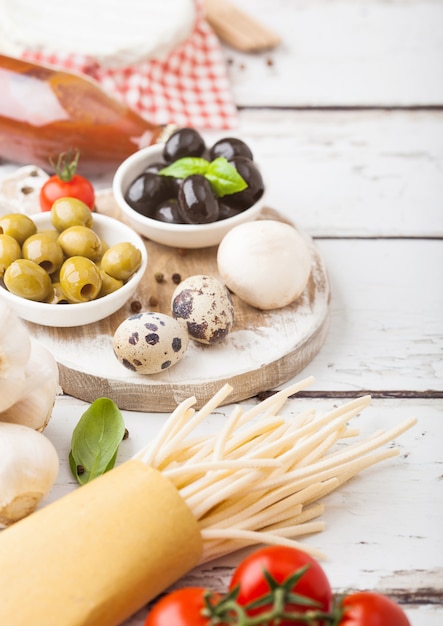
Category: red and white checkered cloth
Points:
column 189, row 88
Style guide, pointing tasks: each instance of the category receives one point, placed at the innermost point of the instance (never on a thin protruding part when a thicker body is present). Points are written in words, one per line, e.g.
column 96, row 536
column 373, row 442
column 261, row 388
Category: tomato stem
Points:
column 228, row 612
column 66, row 165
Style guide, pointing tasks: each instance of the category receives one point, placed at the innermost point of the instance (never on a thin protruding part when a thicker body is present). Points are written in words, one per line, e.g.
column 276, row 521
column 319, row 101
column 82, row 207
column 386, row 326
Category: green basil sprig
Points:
column 223, row 176
column 95, row 440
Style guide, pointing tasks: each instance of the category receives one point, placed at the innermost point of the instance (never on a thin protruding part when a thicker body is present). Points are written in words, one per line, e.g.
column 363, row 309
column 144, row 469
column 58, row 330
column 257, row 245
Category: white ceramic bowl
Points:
column 68, row 315
column 176, row 235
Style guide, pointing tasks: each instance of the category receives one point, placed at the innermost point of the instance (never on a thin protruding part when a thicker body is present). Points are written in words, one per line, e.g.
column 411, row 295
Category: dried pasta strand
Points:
column 226, row 432
column 228, row 513
column 194, row 421
column 224, row 489
column 276, row 401
column 199, row 469
column 181, row 413
column 242, row 539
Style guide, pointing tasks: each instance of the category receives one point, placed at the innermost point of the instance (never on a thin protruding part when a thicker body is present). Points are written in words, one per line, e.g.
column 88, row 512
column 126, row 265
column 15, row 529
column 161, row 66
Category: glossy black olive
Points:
column 168, row 211
column 230, row 147
column 184, row 142
column 148, row 190
column 253, row 192
column 196, row 200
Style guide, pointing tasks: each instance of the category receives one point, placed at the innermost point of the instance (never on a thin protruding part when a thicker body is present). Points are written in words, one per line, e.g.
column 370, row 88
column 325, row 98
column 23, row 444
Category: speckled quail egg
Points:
column 149, row 342
column 205, row 304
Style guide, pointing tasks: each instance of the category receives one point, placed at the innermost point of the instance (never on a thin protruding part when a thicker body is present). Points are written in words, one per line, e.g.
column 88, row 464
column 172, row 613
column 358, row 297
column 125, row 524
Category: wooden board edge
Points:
column 245, row 385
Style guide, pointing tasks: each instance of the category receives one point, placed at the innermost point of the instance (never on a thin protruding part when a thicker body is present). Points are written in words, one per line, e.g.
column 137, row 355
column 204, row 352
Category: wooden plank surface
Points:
column 352, row 173
column 344, row 53
column 386, row 316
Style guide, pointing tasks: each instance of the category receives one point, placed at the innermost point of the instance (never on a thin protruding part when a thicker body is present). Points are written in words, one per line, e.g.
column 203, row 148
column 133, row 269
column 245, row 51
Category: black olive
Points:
column 230, row 147
column 155, row 167
column 148, row 190
column 183, row 143
column 173, row 182
column 226, row 211
column 167, row 211
column 196, row 200
column 253, row 192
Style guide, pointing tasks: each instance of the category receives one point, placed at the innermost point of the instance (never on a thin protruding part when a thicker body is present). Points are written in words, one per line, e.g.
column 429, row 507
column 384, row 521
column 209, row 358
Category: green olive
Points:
column 105, row 246
column 44, row 250
column 67, row 212
column 80, row 279
column 9, row 252
column 17, row 225
column 121, row 260
column 28, row 280
column 109, row 284
column 50, row 233
column 81, row 241
column 57, row 295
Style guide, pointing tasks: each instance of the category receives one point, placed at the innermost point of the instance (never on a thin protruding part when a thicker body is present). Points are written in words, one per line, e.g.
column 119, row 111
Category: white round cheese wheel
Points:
column 266, row 263
column 110, row 32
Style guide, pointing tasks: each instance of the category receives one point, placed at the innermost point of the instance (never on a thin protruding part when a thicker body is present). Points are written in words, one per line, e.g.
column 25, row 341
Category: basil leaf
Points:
column 224, row 178
column 95, row 440
column 186, row 167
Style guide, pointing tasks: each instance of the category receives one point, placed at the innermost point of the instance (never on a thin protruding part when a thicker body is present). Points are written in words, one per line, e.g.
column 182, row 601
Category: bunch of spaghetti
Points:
column 97, row 555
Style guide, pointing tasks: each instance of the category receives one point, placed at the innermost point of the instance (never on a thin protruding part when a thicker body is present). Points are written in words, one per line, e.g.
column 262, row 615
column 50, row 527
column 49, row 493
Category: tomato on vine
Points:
column 367, row 608
column 276, row 586
column 183, row 607
column 298, row 578
column 66, row 183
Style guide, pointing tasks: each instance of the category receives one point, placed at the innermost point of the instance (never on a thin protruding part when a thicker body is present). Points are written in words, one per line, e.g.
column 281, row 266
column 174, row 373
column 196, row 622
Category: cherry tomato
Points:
column 182, row 607
column 65, row 183
column 281, row 562
column 367, row 608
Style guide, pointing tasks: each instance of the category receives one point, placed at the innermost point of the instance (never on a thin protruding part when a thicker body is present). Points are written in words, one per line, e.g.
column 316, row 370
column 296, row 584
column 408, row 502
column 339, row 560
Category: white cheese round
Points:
column 114, row 34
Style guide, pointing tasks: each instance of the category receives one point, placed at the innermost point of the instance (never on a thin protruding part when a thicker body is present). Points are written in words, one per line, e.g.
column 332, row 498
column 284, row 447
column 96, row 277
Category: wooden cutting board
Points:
column 263, row 350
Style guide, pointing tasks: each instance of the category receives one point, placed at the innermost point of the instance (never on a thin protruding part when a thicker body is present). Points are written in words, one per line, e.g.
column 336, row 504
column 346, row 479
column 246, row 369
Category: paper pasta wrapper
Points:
column 97, row 555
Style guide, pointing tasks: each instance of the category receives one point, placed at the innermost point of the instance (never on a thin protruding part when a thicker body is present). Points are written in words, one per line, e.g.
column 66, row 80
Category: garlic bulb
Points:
column 28, row 468
column 34, row 408
column 29, row 378
column 15, row 349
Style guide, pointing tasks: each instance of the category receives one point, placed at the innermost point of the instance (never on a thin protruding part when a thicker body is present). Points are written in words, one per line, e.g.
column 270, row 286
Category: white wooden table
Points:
column 346, row 118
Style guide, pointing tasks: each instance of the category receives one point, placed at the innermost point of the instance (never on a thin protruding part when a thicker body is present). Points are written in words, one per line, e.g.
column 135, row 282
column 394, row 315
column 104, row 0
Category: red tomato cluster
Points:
column 276, row 586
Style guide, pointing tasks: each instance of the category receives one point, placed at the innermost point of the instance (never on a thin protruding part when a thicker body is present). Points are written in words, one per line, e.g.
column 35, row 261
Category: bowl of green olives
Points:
column 68, row 267
column 188, row 194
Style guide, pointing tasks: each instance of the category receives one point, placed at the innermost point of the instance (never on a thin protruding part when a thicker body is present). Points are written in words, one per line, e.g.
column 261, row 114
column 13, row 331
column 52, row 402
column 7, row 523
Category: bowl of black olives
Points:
column 187, row 194
column 69, row 266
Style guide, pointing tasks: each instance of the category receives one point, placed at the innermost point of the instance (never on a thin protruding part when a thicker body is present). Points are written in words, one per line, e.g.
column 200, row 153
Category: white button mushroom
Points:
column 266, row 263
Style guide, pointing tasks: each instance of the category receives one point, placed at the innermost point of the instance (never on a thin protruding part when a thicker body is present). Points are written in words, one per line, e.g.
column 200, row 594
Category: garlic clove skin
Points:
column 29, row 466
column 34, row 408
column 15, row 350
